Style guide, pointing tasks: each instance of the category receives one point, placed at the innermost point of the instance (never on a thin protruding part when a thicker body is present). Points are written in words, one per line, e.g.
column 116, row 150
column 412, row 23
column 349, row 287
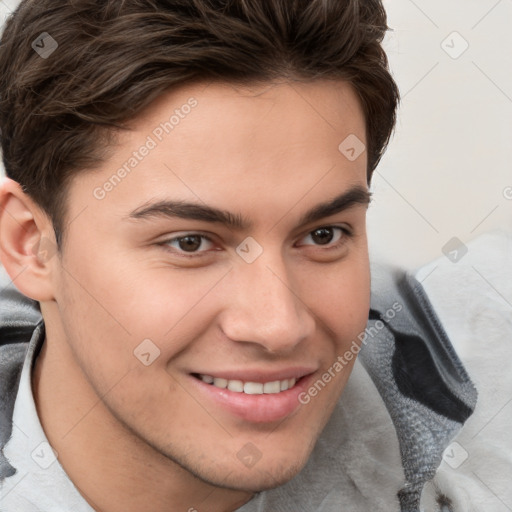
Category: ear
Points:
column 28, row 249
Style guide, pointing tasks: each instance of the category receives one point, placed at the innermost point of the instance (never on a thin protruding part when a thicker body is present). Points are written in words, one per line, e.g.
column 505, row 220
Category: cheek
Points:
column 119, row 316
column 341, row 298
column 140, row 298
column 357, row 299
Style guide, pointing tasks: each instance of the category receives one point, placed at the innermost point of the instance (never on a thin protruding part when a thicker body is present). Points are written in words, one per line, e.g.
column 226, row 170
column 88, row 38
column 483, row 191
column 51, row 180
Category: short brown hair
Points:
column 58, row 115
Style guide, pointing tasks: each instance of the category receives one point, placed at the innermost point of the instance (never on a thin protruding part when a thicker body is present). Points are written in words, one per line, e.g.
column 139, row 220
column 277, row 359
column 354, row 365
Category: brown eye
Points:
column 193, row 244
column 189, row 243
column 322, row 236
column 327, row 235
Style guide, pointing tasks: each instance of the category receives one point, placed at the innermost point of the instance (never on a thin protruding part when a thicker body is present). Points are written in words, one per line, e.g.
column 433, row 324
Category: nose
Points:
column 265, row 307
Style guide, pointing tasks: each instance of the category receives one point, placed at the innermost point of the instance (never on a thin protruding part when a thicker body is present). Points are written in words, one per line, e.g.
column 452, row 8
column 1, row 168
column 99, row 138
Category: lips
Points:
column 253, row 396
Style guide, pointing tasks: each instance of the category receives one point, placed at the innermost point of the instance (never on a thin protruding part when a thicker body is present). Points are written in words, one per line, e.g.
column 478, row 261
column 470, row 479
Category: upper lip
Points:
column 260, row 375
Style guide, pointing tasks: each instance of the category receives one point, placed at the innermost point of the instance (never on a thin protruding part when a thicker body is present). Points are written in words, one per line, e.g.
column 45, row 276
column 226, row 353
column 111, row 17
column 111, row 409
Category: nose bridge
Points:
column 266, row 308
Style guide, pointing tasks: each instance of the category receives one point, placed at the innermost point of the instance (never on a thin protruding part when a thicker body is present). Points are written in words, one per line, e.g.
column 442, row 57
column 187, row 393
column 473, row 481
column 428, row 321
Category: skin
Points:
column 133, row 437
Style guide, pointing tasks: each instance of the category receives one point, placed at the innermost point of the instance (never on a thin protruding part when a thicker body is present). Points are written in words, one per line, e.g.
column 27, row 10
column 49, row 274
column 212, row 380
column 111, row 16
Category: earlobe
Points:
column 27, row 242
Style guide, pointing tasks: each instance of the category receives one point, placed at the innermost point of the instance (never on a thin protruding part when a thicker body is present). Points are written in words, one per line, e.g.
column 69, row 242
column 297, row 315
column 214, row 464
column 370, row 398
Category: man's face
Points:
column 155, row 299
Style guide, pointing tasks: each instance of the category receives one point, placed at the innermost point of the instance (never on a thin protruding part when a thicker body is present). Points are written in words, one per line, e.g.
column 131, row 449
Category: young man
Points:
column 186, row 202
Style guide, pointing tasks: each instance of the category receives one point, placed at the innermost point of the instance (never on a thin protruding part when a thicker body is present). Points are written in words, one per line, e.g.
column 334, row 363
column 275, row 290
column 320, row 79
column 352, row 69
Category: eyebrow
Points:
column 356, row 195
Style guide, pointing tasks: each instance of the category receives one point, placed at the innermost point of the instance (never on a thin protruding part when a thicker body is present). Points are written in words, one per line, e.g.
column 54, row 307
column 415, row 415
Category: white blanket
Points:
column 473, row 299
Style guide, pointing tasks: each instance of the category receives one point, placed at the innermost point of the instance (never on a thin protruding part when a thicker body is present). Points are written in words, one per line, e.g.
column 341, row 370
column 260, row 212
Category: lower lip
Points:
column 265, row 408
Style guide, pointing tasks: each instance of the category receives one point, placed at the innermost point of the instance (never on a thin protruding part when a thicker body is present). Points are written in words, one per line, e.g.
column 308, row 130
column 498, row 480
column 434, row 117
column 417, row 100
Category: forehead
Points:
column 263, row 145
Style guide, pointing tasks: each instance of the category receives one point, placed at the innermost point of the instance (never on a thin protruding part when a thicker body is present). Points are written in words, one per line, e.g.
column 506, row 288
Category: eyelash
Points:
column 346, row 235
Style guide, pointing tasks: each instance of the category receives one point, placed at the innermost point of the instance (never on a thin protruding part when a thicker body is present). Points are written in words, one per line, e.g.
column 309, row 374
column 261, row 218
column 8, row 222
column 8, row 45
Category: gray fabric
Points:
column 11, row 362
column 18, row 317
column 422, row 432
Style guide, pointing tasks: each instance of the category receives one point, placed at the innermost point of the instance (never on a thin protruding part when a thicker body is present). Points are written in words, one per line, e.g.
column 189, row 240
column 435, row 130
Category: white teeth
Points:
column 253, row 388
column 220, row 383
column 250, row 388
column 272, row 387
column 236, row 385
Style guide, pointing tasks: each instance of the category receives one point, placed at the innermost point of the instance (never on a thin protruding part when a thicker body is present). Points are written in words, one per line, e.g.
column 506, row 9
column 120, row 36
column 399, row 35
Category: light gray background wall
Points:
column 447, row 175
column 448, row 171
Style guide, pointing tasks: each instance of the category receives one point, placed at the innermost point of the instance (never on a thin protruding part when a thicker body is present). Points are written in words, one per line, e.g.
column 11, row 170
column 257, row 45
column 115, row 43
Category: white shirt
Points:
column 40, row 483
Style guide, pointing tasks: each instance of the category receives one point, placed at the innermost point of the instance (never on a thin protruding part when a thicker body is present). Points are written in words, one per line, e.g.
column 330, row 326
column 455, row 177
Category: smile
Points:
column 249, row 388
column 254, row 395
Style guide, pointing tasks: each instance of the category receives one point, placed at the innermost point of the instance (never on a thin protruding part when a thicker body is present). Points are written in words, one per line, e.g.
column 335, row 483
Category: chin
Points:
column 265, row 473
column 260, row 477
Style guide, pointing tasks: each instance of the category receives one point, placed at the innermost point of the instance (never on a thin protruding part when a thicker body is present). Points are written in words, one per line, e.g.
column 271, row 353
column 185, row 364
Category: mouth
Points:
column 249, row 388
column 254, row 397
